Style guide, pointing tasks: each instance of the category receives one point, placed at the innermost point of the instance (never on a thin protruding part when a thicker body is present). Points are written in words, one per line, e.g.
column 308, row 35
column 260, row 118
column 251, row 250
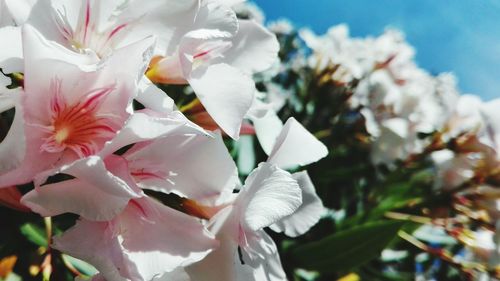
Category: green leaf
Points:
column 346, row 249
column 374, row 274
column 34, row 234
column 391, row 203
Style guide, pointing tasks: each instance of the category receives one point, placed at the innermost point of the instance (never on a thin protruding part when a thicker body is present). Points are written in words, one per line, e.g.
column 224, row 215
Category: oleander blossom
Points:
column 70, row 104
column 398, row 100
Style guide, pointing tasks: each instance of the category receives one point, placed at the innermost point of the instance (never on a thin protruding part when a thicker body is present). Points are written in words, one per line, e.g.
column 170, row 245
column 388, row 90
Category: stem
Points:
column 406, row 217
column 47, row 262
column 48, row 231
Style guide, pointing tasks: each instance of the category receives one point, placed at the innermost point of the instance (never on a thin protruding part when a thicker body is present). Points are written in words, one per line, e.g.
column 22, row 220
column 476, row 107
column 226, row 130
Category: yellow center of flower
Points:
column 61, row 135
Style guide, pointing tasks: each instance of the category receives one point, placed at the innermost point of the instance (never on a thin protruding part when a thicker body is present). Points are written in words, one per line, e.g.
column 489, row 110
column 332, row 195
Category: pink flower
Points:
column 101, row 189
column 127, row 234
column 70, row 107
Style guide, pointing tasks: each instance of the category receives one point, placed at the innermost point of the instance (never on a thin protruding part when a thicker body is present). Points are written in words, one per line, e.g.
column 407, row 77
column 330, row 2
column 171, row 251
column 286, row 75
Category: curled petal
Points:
column 296, row 146
column 269, row 195
column 153, row 98
column 307, row 215
column 226, row 93
column 254, row 48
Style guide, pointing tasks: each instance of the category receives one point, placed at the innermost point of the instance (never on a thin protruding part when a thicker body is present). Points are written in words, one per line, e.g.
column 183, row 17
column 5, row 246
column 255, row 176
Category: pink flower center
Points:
column 79, row 127
column 86, row 34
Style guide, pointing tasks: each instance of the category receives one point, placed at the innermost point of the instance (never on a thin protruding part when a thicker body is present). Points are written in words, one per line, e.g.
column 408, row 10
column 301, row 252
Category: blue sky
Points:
column 459, row 36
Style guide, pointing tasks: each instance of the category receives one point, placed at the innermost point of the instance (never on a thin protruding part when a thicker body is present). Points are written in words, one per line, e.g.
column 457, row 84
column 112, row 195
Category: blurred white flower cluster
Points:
column 409, row 114
column 399, row 100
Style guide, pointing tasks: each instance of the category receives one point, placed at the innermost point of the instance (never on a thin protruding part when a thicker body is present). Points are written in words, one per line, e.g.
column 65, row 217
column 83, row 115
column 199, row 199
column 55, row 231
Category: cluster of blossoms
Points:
column 468, row 166
column 126, row 115
column 398, row 100
column 409, row 118
column 95, row 136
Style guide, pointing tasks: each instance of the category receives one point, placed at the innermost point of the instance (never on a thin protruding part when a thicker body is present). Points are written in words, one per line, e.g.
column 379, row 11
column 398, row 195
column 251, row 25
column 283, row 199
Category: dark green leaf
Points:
column 346, row 249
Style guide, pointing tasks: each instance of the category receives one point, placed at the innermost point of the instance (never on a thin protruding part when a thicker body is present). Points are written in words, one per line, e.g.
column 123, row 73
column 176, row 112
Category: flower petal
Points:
column 20, row 9
column 77, row 197
column 490, row 114
column 154, row 98
column 231, row 3
column 33, row 160
column 307, row 215
column 188, row 163
column 230, row 267
column 96, row 243
column 267, row 130
column 189, row 239
column 122, row 249
column 214, row 15
column 12, row 147
column 80, row 74
column 254, row 48
column 36, row 46
column 269, row 194
column 226, row 93
column 44, row 13
column 169, row 20
column 269, row 268
column 11, row 54
column 99, row 192
column 111, row 175
column 146, row 125
column 296, row 146
column 225, row 259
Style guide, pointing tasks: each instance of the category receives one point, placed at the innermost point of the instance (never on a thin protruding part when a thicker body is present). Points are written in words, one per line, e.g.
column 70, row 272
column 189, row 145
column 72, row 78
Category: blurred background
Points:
column 459, row 36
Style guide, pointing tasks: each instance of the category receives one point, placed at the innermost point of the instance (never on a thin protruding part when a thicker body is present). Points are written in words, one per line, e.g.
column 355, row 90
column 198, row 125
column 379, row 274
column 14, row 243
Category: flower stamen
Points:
column 78, row 126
